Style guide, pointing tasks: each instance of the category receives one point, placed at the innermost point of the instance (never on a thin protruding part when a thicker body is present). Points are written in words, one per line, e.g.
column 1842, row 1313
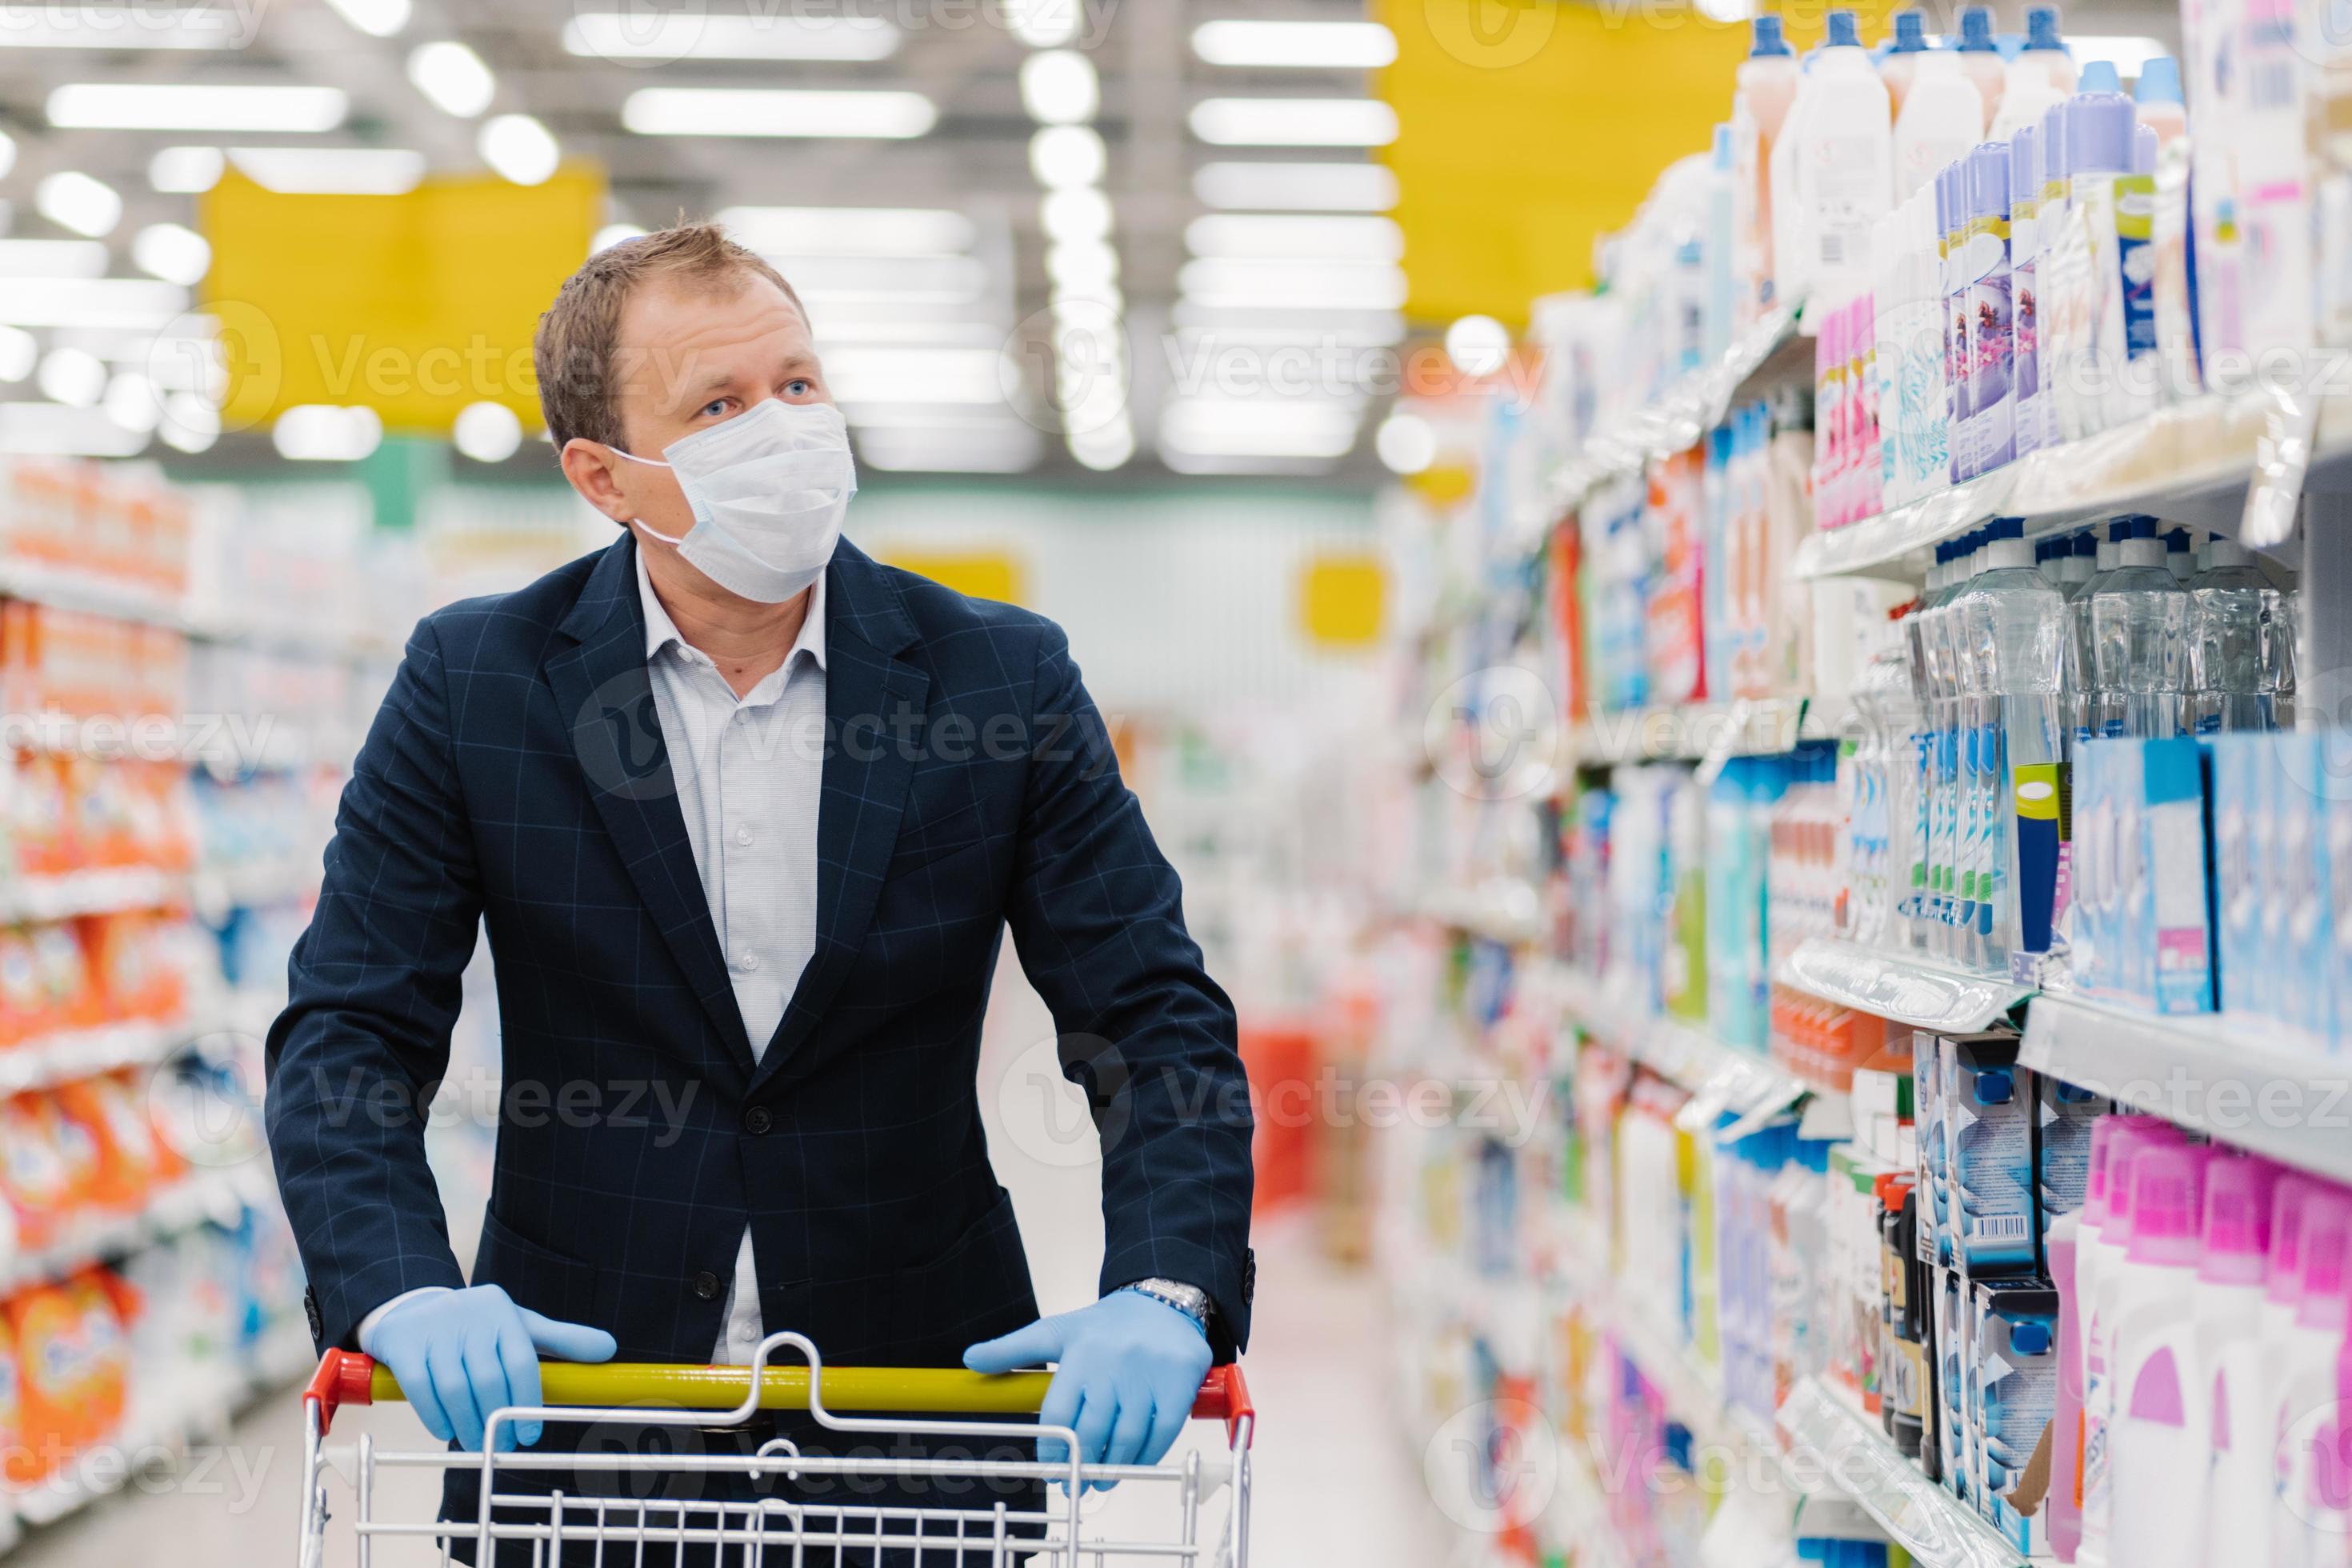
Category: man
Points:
column 746, row 815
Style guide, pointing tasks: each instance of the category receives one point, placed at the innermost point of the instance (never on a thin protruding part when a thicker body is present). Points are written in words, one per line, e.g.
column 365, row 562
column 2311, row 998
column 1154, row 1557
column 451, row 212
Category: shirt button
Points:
column 743, row 833
column 749, row 962
column 705, row 1285
column 759, row 1120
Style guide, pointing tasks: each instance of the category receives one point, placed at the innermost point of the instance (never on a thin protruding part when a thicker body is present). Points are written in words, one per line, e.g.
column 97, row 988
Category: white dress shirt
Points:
column 750, row 772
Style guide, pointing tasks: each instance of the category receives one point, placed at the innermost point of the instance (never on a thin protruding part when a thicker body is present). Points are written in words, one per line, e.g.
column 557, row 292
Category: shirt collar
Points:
column 661, row 631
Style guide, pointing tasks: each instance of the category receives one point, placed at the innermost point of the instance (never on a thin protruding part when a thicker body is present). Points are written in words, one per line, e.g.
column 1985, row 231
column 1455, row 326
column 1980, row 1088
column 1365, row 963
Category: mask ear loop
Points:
column 650, row 463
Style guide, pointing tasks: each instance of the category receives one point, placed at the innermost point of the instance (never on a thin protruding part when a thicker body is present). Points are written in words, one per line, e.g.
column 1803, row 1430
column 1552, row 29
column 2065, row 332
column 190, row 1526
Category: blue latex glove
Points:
column 1128, row 1370
column 460, row 1354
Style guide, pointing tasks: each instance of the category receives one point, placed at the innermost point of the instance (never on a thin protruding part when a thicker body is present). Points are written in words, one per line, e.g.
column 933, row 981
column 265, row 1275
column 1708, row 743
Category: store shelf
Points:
column 216, row 889
column 1501, row 909
column 1720, row 1079
column 208, row 1197
column 198, row 1408
column 83, row 1053
column 1770, row 354
column 2191, row 464
column 95, row 593
column 1858, row 1460
column 88, row 593
column 2203, row 1072
column 99, row 891
column 1909, row 991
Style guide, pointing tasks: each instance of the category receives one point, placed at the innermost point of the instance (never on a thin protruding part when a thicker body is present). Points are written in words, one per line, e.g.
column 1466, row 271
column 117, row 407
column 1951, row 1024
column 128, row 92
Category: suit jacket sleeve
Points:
column 374, row 988
column 1098, row 916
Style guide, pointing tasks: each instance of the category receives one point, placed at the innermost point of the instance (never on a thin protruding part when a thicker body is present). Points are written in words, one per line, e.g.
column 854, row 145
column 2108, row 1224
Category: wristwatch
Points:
column 1189, row 1300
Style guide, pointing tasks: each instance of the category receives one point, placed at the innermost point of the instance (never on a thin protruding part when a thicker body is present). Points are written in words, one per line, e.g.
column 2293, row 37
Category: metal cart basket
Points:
column 522, row 1523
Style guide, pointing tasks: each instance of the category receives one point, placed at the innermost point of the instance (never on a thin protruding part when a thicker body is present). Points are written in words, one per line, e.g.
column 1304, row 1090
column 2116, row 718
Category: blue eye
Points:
column 716, row 406
column 800, row 386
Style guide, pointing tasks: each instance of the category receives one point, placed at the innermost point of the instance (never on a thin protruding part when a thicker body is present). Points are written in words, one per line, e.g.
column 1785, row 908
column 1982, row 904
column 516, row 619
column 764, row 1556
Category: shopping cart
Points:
column 781, row 1531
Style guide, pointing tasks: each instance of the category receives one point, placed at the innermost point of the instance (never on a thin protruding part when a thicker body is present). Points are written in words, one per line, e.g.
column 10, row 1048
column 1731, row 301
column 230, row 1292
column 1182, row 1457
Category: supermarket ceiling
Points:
column 1034, row 235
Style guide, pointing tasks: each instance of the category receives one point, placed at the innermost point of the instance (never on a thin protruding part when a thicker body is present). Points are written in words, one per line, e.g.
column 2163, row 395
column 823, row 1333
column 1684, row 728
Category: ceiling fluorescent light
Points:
column 1075, row 213
column 785, row 232
column 963, row 277
column 519, row 149
column 1297, row 187
column 98, row 24
column 772, row 111
column 1294, row 122
column 1293, row 236
column 1273, row 285
column 185, row 106
column 1002, row 446
column 71, row 199
column 1059, row 86
column 1259, row 428
column 376, row 19
column 1279, row 46
column 331, row 171
column 915, row 375
column 61, row 430
column 72, row 376
column 453, row 77
column 90, row 302
column 19, row 351
column 185, row 170
column 662, row 37
column 52, row 258
column 172, row 252
column 1066, row 157
column 831, row 336
column 326, row 433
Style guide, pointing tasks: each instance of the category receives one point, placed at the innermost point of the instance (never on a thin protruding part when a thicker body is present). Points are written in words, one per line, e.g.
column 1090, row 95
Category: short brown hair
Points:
column 573, row 351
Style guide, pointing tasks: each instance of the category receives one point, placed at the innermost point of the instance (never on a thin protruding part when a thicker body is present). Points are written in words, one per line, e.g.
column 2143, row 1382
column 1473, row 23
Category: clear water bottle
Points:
column 1946, row 818
column 2180, row 555
column 2089, row 719
column 2139, row 640
column 2015, row 623
column 2240, row 632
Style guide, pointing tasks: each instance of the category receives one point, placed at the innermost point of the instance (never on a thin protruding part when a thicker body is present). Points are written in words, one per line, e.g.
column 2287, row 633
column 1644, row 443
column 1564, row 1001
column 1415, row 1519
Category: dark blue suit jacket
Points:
column 517, row 774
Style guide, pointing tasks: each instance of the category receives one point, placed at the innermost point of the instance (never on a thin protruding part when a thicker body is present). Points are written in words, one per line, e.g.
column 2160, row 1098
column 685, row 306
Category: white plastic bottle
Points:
column 1905, row 47
column 2240, row 1196
column 1937, row 125
column 2306, row 1385
column 2045, row 49
column 2160, row 1422
column 2099, row 1265
column 1980, row 56
column 1767, row 86
column 2026, row 97
column 1845, row 151
column 2157, row 102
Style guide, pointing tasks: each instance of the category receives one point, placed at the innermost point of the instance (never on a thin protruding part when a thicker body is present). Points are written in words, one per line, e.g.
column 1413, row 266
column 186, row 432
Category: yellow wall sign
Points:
column 1527, row 128
column 1341, row 598
column 413, row 305
column 976, row 574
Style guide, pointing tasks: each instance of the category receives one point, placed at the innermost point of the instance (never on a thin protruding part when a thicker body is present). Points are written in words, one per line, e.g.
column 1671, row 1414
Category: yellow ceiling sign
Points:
column 1341, row 599
column 413, row 305
column 1527, row 128
column 975, row 574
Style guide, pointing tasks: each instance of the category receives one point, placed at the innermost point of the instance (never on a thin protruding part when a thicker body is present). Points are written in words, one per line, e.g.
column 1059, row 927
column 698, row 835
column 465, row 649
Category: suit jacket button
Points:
column 759, row 1120
column 706, row 1285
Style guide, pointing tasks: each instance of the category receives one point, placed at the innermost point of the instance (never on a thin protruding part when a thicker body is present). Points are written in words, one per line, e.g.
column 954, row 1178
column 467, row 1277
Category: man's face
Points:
column 689, row 356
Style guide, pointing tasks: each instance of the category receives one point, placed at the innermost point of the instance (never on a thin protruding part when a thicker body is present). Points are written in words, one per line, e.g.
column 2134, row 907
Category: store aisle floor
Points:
column 1334, row 1484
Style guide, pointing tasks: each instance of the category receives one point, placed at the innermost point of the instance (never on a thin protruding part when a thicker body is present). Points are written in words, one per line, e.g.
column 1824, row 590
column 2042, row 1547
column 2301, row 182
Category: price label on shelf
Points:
column 2290, row 424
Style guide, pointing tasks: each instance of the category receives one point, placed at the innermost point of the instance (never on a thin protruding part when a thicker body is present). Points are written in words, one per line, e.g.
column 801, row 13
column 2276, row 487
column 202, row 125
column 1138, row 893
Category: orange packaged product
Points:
column 39, row 1178
column 73, row 1357
column 39, row 820
column 75, row 1001
column 106, row 1111
column 23, row 1001
column 128, row 967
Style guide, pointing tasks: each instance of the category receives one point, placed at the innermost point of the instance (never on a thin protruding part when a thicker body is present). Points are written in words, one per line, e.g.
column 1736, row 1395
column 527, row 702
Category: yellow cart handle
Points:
column 346, row 1377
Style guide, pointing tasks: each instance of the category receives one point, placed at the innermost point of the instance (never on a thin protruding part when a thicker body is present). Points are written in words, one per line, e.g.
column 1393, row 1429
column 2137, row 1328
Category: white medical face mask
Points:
column 767, row 489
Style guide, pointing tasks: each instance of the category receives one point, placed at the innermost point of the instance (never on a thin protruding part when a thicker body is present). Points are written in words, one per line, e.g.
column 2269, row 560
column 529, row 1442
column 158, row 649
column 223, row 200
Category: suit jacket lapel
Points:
column 869, row 758
column 606, row 696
